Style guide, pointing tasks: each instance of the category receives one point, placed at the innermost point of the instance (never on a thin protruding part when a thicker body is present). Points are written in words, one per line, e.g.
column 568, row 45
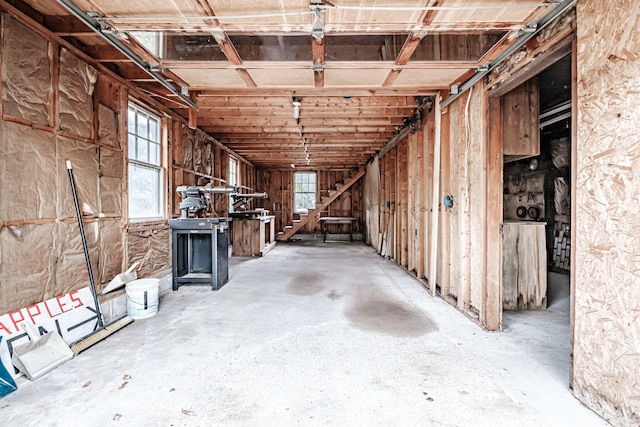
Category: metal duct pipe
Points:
column 546, row 20
column 106, row 32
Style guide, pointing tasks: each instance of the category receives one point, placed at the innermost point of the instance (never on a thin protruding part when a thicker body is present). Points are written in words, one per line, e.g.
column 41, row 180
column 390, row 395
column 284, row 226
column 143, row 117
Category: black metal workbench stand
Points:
column 200, row 251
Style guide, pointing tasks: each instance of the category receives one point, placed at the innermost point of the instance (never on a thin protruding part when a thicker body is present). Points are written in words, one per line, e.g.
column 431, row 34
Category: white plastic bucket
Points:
column 142, row 298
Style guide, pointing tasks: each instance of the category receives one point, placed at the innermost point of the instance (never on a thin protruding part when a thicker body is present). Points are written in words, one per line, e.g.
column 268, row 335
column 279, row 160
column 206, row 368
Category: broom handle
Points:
column 84, row 245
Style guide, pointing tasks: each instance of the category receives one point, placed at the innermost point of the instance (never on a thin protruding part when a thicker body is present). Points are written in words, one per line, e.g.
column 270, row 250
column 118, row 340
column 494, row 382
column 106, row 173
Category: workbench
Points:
column 326, row 220
column 253, row 236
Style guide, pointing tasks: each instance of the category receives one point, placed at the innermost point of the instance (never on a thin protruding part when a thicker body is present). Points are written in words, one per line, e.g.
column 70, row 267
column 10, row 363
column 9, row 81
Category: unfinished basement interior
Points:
column 356, row 212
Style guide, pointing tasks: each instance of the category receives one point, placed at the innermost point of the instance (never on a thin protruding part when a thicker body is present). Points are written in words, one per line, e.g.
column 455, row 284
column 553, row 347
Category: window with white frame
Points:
column 304, row 191
column 233, row 171
column 146, row 183
column 232, row 179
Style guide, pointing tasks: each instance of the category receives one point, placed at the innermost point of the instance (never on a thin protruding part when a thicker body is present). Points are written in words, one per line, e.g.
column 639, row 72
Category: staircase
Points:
column 290, row 230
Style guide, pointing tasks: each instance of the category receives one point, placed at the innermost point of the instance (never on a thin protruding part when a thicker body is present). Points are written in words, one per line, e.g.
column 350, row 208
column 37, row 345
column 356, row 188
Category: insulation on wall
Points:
column 27, row 266
column 71, row 268
column 607, row 296
column 110, row 251
column 187, row 148
column 26, row 83
column 28, row 159
column 152, row 249
column 111, row 181
column 76, row 83
column 84, row 160
column 107, row 126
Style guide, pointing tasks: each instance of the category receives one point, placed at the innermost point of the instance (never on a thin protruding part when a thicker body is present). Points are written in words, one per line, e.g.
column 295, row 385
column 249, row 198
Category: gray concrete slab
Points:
column 313, row 334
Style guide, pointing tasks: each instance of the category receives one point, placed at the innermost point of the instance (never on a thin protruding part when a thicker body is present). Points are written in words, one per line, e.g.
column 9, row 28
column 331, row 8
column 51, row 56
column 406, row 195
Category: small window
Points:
column 233, row 179
column 233, row 171
column 152, row 41
column 305, row 191
column 145, row 167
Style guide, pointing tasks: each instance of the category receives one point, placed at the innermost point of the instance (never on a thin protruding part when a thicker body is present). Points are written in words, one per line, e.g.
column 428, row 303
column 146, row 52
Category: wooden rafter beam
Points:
column 320, row 92
column 306, row 122
column 309, row 111
column 318, row 45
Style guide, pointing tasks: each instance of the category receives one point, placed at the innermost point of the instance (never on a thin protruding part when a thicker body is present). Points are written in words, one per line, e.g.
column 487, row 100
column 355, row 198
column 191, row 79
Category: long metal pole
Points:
column 84, row 245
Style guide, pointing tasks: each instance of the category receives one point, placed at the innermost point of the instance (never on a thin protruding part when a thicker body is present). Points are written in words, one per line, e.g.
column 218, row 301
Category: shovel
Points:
column 122, row 279
column 41, row 354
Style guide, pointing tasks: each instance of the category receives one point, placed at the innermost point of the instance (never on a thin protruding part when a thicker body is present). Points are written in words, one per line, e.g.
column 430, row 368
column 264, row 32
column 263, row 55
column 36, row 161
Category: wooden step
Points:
column 296, row 220
column 288, row 226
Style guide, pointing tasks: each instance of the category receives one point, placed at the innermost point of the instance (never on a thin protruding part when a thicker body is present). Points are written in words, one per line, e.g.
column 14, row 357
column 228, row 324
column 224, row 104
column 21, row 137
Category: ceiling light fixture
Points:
column 296, row 107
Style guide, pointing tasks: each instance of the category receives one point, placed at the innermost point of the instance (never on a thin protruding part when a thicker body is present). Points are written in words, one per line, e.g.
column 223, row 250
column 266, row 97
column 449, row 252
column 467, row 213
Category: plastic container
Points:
column 142, row 298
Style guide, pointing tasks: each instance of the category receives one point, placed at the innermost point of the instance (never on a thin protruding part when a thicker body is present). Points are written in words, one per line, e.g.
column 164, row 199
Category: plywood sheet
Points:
column 203, row 78
column 607, row 226
column 431, row 77
column 354, row 78
column 238, row 8
column 282, row 77
column 509, row 11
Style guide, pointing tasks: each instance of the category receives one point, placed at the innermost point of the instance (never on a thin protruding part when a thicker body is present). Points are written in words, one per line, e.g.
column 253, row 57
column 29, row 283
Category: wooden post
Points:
column 421, row 241
column 411, row 166
column 492, row 292
column 435, row 202
column 464, row 286
column 445, row 221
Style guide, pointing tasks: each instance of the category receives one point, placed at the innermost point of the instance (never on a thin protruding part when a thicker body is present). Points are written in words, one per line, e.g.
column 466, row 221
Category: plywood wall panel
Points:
column 607, row 328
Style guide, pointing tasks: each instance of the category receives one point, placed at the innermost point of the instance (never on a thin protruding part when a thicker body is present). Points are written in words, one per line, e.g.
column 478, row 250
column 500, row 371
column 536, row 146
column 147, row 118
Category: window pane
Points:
column 143, row 125
column 143, row 151
column 132, row 146
column 153, row 130
column 144, row 192
column 153, row 154
column 131, row 120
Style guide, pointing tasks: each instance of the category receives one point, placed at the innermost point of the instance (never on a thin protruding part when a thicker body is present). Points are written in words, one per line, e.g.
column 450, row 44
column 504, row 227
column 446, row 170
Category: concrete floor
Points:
column 313, row 334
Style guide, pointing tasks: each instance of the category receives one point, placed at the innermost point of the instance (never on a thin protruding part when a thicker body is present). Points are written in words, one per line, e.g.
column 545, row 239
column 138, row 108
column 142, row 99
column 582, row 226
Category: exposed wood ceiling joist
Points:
column 356, row 68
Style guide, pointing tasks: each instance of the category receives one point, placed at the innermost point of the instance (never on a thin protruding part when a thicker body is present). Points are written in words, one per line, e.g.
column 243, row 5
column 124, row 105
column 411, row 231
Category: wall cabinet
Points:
column 521, row 122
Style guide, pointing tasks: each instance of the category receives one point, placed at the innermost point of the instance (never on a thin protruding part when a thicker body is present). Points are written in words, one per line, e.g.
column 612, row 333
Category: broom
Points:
column 103, row 330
